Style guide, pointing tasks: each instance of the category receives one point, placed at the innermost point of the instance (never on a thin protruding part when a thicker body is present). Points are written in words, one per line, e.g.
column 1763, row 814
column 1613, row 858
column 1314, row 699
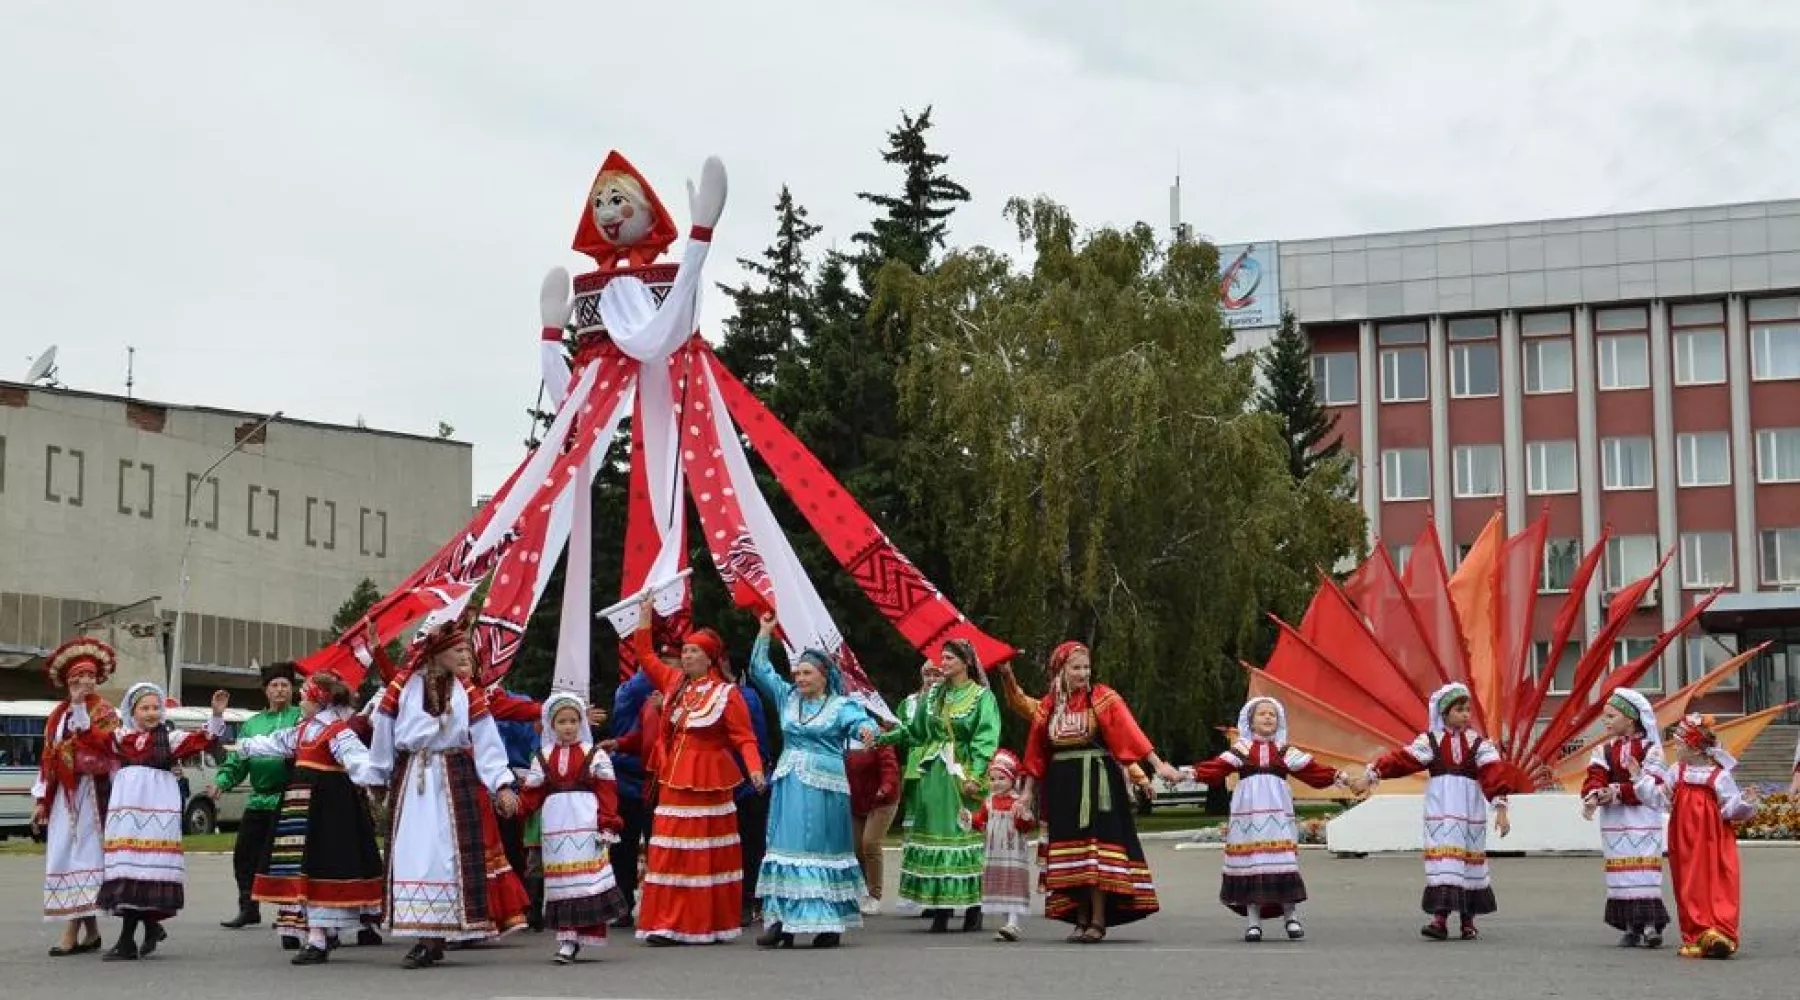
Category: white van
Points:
column 22, row 745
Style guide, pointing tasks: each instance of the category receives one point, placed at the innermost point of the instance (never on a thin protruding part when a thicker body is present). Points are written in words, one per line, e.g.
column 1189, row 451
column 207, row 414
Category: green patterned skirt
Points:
column 940, row 862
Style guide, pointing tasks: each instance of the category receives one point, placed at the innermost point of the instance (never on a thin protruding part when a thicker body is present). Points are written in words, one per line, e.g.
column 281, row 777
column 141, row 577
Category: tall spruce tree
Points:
column 915, row 222
column 1287, row 392
column 773, row 305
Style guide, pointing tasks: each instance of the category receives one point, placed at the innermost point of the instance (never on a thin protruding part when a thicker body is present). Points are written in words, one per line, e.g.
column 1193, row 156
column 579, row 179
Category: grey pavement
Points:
column 1362, row 942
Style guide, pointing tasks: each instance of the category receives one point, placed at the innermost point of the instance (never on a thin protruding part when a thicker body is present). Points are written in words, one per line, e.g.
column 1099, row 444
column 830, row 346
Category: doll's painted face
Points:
column 1616, row 723
column 147, row 712
column 1000, row 784
column 621, row 210
column 567, row 723
column 1264, row 721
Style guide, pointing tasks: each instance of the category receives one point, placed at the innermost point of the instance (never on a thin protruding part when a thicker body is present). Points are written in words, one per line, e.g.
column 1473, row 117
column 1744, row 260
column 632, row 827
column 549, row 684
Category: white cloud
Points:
column 344, row 209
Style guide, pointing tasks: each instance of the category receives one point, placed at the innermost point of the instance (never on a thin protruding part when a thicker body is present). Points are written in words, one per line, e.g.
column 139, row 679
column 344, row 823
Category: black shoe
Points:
column 972, row 919
column 153, row 936
column 1631, row 939
column 1294, row 931
column 423, row 956
column 774, row 937
column 331, row 942
column 661, row 941
column 827, row 940
column 1436, row 931
column 1253, row 934
column 368, row 937
column 1653, row 939
column 565, row 955
column 940, row 921
column 124, row 951
column 79, row 948
column 249, row 916
column 312, row 956
column 290, row 943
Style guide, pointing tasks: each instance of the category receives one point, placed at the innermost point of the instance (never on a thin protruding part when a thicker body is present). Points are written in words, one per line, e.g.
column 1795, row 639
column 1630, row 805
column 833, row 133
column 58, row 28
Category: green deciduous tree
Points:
column 1093, row 467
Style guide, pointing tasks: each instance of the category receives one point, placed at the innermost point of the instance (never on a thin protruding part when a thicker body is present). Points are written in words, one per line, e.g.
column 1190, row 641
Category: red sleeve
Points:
column 359, row 724
column 1396, row 764
column 1499, row 779
column 889, row 762
column 383, row 666
column 1316, row 775
column 100, row 741
column 632, row 742
column 187, row 744
column 1217, row 769
column 390, row 695
column 662, row 676
column 740, row 733
column 606, row 790
column 1597, row 778
column 1628, row 795
column 979, row 820
column 1037, row 749
column 480, row 707
column 1118, row 728
column 507, row 707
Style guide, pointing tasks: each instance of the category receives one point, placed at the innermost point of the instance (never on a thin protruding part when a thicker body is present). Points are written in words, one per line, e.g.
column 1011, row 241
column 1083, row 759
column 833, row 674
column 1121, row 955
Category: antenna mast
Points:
column 130, row 370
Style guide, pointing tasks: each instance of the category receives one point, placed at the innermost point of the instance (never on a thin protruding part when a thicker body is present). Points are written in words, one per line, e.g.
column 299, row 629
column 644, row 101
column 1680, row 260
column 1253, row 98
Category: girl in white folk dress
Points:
column 1262, row 841
column 145, row 868
column 1006, row 878
column 1466, row 773
column 69, row 796
column 572, row 785
column 1631, row 830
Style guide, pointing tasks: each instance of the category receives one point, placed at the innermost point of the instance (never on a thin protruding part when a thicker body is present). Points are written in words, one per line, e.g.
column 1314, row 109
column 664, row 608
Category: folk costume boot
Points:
column 972, row 920
column 248, row 915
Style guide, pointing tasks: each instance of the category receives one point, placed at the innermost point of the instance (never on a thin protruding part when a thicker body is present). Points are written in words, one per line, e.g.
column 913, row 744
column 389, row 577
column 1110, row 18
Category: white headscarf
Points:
column 557, row 701
column 133, row 695
column 1646, row 713
column 1453, row 691
column 1249, row 710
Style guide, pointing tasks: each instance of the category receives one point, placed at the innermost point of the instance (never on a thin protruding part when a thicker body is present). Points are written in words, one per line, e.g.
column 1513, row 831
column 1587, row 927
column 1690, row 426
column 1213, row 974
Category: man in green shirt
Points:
column 268, row 778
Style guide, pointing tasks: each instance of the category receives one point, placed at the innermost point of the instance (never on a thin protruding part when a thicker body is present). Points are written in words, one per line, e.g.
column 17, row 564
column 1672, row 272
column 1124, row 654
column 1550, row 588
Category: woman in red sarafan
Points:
column 1095, row 873
column 69, row 797
column 1703, row 854
column 693, row 883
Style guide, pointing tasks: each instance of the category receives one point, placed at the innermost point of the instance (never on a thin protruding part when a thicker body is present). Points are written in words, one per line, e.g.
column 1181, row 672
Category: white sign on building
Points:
column 1250, row 285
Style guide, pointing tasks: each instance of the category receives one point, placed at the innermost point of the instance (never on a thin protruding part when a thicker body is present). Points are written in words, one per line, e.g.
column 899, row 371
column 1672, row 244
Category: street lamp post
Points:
column 188, row 544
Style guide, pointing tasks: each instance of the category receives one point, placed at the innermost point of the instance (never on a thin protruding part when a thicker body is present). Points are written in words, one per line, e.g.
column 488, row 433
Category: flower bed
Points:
column 1777, row 817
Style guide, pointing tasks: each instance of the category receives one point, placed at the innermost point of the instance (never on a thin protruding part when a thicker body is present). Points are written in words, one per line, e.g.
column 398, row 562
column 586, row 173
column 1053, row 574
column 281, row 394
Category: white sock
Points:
column 315, row 938
column 1291, row 911
column 1253, row 918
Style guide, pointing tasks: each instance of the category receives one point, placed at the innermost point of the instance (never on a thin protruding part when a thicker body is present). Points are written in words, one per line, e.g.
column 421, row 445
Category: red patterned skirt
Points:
column 693, row 886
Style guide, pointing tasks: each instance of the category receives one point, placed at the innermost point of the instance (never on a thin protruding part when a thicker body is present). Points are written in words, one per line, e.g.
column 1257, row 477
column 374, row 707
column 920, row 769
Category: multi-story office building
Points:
column 101, row 495
column 1639, row 372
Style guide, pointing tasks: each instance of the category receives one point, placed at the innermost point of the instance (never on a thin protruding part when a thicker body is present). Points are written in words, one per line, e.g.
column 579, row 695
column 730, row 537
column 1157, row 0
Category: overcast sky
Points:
column 342, row 209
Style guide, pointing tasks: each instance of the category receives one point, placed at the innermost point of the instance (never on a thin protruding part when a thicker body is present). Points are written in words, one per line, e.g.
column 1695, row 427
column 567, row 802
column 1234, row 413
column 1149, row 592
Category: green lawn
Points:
column 202, row 842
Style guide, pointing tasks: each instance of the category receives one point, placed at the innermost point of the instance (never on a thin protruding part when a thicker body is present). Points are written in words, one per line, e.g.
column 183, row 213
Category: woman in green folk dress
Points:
column 951, row 742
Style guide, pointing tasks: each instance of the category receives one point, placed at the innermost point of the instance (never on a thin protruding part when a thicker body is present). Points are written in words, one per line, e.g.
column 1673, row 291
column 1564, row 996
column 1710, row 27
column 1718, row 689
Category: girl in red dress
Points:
column 1703, row 855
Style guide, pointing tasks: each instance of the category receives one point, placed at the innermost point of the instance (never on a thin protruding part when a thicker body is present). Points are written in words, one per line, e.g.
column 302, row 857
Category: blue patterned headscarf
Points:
column 823, row 661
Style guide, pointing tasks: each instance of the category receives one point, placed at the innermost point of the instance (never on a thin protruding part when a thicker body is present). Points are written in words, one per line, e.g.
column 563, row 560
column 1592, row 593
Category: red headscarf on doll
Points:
column 617, row 174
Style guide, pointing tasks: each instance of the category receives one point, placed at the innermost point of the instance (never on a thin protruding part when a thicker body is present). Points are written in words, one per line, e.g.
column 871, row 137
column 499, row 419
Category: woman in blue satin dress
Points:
column 810, row 881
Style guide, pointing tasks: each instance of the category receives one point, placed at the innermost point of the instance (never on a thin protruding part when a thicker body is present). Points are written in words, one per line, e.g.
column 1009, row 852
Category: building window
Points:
column 1402, row 556
column 1703, row 459
column 1550, row 467
column 1406, row 474
column 1775, row 338
column 1564, row 677
column 1624, row 361
column 1633, row 648
column 1561, row 557
column 1551, row 324
column 1706, row 560
column 1625, row 464
column 1403, row 377
column 1334, row 379
column 1706, row 653
column 1398, row 334
column 1474, row 370
column 1549, row 366
column 1778, row 455
column 1781, row 556
column 1478, row 470
column 1699, row 343
column 1629, row 558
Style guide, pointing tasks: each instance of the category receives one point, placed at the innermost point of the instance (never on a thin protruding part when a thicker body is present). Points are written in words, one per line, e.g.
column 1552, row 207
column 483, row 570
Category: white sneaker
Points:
column 870, row 906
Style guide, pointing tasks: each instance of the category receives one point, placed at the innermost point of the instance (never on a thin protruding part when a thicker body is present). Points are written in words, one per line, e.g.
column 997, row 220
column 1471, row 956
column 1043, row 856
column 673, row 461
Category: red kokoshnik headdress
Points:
column 589, row 240
column 79, row 657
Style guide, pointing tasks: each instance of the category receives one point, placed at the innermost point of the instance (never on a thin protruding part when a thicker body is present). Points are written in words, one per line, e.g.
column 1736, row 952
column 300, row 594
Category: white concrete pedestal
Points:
column 1542, row 823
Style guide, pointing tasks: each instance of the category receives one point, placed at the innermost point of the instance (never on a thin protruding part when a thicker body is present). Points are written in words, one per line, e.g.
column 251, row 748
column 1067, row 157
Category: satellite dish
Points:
column 44, row 368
